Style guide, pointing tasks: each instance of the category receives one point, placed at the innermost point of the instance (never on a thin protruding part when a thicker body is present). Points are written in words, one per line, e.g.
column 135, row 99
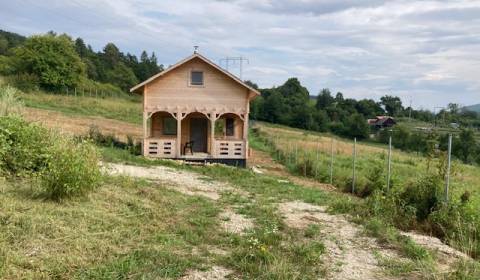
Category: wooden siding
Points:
column 174, row 89
column 171, row 95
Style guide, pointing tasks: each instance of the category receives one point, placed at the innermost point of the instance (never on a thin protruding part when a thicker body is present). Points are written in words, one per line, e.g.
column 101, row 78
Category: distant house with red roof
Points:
column 382, row 122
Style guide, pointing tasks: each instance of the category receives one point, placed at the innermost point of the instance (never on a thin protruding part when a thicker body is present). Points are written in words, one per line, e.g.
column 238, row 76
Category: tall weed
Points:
column 9, row 102
column 71, row 169
column 64, row 167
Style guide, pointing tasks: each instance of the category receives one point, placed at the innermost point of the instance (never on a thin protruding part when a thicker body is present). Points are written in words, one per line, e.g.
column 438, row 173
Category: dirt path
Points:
column 350, row 254
column 78, row 125
column 446, row 255
column 215, row 273
column 183, row 181
column 190, row 183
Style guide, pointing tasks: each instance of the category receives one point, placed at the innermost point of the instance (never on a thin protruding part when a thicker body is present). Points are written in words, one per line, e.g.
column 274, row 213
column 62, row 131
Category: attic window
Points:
column 196, row 78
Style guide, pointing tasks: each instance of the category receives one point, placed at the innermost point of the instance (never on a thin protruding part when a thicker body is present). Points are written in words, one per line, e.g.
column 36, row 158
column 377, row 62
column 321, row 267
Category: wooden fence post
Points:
column 331, row 161
column 354, row 162
column 389, row 168
column 449, row 163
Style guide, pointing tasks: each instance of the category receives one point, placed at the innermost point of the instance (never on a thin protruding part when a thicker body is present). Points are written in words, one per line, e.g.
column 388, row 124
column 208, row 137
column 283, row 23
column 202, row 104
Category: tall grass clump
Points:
column 71, row 169
column 58, row 166
column 9, row 102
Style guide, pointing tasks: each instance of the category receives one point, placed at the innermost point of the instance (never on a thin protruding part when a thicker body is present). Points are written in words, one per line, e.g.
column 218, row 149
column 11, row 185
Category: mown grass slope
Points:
column 123, row 109
column 126, row 228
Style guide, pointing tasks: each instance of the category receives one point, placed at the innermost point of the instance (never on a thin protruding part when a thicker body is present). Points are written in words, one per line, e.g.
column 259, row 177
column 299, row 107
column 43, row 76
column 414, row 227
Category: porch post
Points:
column 245, row 134
column 179, row 134
column 212, row 135
column 144, row 146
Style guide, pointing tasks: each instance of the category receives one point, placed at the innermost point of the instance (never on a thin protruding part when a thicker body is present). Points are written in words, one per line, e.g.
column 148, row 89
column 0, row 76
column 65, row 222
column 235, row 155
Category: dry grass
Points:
column 406, row 167
column 79, row 125
column 91, row 237
column 127, row 110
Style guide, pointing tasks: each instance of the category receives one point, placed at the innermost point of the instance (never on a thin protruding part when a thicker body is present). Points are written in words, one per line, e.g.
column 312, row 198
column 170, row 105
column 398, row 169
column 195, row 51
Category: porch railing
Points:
column 161, row 148
column 229, row 149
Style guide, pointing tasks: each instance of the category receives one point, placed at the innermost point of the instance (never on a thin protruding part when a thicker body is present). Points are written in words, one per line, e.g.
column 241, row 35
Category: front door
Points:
column 198, row 134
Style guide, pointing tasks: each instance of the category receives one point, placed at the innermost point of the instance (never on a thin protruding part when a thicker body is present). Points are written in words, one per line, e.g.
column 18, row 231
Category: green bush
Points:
column 25, row 82
column 423, row 195
column 72, row 169
column 374, row 181
column 458, row 223
column 23, row 146
column 64, row 167
column 107, row 140
column 6, row 65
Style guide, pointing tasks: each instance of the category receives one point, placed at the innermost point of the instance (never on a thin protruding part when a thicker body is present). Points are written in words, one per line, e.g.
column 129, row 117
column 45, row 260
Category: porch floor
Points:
column 196, row 156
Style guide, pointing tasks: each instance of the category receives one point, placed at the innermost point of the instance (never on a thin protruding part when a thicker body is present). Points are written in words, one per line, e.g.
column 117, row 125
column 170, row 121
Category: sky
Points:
column 426, row 52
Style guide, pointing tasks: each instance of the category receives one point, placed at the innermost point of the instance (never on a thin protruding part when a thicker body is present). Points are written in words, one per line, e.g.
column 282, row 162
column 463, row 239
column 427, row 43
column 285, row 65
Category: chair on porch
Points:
column 188, row 146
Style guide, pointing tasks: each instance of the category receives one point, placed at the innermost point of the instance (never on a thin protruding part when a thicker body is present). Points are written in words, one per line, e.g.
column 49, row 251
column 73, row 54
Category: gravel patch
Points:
column 446, row 255
column 215, row 273
column 188, row 183
column 235, row 223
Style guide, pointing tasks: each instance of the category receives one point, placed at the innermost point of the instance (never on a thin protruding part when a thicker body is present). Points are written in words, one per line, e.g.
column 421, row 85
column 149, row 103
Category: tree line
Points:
column 54, row 61
column 291, row 104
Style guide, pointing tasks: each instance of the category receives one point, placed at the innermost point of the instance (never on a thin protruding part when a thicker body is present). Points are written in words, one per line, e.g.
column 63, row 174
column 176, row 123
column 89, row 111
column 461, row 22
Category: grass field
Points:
column 123, row 109
column 309, row 154
column 371, row 158
column 427, row 127
column 127, row 228
column 136, row 229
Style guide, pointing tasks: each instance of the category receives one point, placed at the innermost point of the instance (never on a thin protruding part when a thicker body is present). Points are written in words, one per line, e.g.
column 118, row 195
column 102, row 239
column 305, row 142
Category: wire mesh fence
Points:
column 348, row 165
column 93, row 92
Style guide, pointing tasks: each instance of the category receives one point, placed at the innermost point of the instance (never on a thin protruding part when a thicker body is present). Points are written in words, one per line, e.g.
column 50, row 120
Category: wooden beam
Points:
column 179, row 134
column 245, row 135
column 212, row 135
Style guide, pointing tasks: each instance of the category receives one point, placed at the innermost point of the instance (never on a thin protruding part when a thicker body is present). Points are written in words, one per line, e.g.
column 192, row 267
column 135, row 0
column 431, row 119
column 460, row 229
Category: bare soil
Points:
column 185, row 182
column 350, row 254
column 215, row 273
column 235, row 223
column 446, row 255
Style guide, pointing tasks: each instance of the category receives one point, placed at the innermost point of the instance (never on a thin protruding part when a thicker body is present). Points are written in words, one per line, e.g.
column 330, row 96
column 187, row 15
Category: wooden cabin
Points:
column 195, row 110
column 380, row 122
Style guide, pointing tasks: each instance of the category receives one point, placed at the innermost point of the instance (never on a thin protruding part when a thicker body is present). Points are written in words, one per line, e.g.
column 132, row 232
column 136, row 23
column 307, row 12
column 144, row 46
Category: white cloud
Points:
column 426, row 49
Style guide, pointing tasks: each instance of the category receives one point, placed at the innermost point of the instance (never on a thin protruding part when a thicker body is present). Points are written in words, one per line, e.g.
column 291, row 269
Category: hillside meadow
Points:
column 416, row 198
column 123, row 228
column 371, row 158
column 127, row 109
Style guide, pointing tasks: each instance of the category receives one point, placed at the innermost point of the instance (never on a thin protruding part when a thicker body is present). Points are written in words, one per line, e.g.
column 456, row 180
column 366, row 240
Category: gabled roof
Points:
column 204, row 59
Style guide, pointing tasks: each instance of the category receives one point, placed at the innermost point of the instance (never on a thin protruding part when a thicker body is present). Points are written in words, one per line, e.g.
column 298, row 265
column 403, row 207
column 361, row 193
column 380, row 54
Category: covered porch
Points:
column 195, row 135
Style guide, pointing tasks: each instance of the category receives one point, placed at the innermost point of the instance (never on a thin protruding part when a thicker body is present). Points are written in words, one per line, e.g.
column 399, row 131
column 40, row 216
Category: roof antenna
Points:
column 195, row 49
